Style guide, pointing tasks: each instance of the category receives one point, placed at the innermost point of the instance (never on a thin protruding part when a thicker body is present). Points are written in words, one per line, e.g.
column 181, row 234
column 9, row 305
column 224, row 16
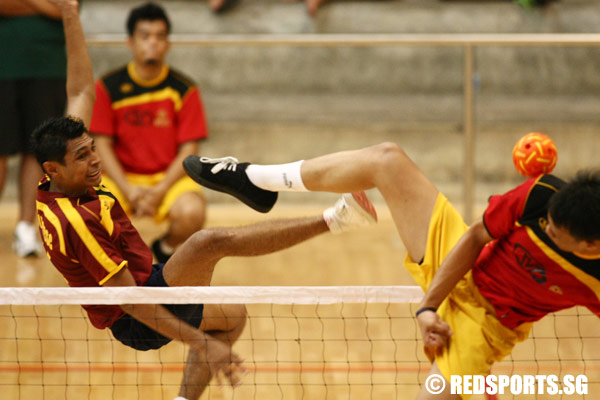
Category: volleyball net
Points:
column 298, row 343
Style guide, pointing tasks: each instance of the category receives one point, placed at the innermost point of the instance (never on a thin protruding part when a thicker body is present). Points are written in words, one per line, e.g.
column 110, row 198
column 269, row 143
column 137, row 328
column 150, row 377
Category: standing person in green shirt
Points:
column 32, row 84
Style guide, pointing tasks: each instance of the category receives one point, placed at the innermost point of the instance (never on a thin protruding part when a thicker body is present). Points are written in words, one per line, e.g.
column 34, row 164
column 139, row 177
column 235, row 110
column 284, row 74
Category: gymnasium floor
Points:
column 377, row 357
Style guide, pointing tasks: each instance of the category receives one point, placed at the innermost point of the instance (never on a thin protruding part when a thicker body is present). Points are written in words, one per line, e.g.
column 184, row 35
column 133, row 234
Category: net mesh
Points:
column 298, row 343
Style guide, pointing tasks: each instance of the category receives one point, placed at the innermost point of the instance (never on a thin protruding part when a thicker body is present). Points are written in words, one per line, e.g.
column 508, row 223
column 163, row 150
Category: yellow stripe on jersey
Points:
column 586, row 279
column 107, row 277
column 159, row 95
column 106, row 204
column 164, row 72
column 53, row 219
column 87, row 238
column 547, row 185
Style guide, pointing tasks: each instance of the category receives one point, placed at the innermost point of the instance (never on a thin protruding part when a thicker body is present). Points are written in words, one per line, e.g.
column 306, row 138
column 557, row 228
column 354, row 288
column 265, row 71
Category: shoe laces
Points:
column 223, row 163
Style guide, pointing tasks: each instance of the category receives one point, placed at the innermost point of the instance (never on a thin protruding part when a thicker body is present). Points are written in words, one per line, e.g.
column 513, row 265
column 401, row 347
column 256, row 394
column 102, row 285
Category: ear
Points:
column 51, row 168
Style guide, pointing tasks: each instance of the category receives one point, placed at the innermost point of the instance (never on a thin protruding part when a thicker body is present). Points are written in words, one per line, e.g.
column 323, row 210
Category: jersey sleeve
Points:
column 594, row 308
column 102, row 114
column 504, row 210
column 191, row 124
column 92, row 247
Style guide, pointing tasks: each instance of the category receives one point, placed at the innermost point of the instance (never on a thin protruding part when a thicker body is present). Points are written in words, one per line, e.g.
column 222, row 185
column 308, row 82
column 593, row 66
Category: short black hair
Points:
column 576, row 206
column 146, row 12
column 49, row 140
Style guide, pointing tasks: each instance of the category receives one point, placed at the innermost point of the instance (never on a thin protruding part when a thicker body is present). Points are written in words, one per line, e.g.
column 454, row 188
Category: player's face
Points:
column 81, row 168
column 149, row 42
column 562, row 237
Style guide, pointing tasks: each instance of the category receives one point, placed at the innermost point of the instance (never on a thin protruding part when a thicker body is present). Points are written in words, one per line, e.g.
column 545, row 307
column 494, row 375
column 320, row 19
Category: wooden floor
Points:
column 321, row 352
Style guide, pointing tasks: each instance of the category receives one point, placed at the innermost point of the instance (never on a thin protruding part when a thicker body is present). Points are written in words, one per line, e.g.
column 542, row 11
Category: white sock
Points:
column 277, row 178
column 180, row 398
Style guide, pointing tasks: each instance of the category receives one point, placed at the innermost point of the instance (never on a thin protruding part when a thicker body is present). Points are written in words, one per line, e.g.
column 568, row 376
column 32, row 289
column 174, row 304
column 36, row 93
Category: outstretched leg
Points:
column 194, row 261
column 409, row 194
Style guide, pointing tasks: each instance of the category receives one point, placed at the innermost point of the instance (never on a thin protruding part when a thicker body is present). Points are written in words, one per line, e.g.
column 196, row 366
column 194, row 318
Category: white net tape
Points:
column 212, row 295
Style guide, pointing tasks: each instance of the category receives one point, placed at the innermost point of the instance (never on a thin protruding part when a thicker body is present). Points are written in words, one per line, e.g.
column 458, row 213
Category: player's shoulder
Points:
column 114, row 74
column 180, row 81
column 114, row 79
column 540, row 192
column 550, row 182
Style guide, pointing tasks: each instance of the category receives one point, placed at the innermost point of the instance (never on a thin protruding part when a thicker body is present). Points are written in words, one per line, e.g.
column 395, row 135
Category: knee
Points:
column 235, row 316
column 389, row 153
column 389, row 158
column 229, row 318
column 190, row 213
column 211, row 241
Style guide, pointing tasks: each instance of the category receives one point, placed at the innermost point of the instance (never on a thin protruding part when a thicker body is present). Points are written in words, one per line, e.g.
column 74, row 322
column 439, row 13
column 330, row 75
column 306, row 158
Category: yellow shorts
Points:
column 183, row 185
column 479, row 338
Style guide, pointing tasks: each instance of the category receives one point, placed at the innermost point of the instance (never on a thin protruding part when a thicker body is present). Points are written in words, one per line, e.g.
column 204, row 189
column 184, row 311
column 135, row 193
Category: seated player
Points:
column 147, row 118
column 535, row 251
column 91, row 241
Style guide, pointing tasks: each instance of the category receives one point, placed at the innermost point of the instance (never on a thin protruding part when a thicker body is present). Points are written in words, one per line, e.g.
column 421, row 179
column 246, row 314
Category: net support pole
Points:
column 469, row 133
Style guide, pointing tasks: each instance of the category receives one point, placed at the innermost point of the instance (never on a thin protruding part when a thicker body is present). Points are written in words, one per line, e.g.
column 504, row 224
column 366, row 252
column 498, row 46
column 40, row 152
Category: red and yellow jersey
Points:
column 147, row 119
column 89, row 239
column 522, row 273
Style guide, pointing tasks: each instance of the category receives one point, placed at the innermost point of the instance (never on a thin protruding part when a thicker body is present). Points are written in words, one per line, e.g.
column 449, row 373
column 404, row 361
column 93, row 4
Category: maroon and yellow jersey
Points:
column 522, row 273
column 147, row 119
column 89, row 239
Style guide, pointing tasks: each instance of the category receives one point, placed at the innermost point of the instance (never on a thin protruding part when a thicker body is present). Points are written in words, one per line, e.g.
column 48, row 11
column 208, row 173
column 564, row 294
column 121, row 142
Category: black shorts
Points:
column 133, row 333
column 24, row 105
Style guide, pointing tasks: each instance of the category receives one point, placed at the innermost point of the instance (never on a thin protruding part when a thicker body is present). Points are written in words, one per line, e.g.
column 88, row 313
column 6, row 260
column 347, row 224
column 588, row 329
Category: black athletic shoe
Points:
column 160, row 256
column 227, row 175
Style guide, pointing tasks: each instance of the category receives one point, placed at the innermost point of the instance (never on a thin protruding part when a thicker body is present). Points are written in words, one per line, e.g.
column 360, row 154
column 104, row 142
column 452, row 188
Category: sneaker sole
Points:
column 363, row 203
column 189, row 166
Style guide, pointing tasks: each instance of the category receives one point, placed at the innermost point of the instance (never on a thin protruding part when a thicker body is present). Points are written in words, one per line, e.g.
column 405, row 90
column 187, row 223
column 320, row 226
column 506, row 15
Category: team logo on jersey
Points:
column 526, row 261
column 162, row 118
column 126, row 87
column 45, row 234
column 138, row 118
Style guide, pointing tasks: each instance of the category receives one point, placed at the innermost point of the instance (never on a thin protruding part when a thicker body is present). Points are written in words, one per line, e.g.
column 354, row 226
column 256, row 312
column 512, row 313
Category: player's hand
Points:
column 434, row 330
column 148, row 204
column 223, row 362
column 134, row 194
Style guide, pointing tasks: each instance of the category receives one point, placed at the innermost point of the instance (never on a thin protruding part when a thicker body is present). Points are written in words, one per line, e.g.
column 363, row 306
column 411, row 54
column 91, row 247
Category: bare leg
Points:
column 444, row 395
column 223, row 322
column 409, row 195
column 187, row 215
column 30, row 175
column 194, row 261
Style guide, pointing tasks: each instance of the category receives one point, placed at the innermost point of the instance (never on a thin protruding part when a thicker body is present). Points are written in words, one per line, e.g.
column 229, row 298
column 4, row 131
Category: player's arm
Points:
column 457, row 263
column 157, row 317
column 80, row 78
column 29, row 7
column 154, row 196
column 44, row 7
